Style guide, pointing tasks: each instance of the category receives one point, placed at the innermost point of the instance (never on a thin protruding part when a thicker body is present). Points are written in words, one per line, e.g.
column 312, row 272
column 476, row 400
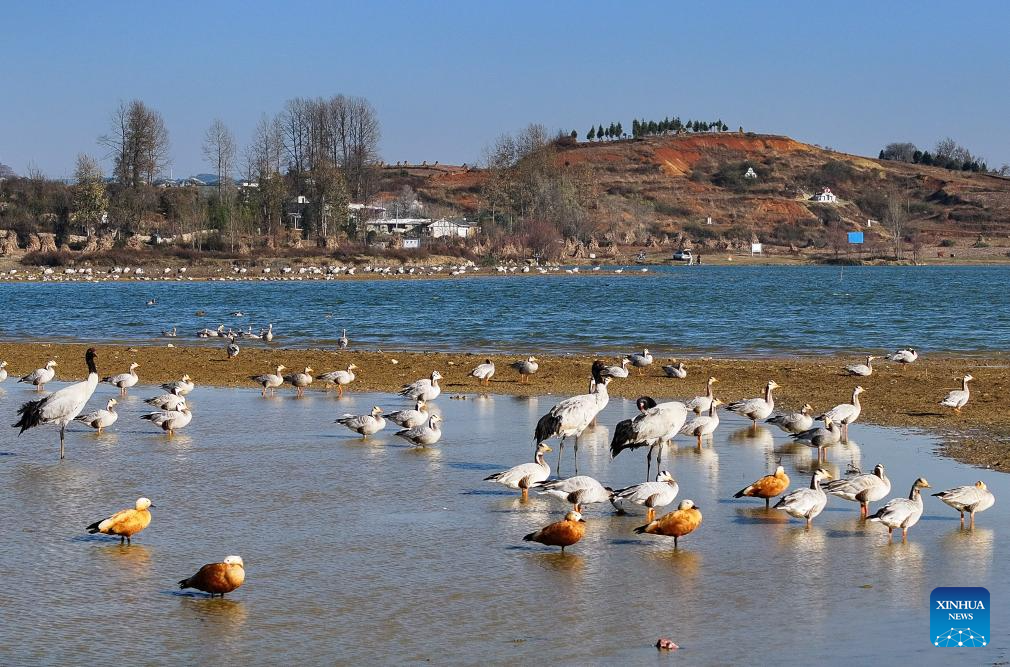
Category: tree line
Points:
column 947, row 154
column 645, row 128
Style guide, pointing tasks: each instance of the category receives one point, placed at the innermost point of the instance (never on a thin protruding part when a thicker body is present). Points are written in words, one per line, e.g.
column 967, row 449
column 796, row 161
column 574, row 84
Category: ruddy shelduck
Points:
column 217, row 578
column 562, row 533
column 125, row 523
column 767, row 487
column 676, row 524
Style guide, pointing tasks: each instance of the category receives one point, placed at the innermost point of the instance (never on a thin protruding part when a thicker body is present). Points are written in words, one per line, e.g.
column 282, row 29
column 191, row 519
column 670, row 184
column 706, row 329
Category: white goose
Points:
column 232, row 349
column 863, row 489
column 655, row 427
column 340, row 378
column 902, row 512
column 484, row 372
column 972, row 499
column 756, row 408
column 425, row 389
column 651, row 495
column 958, row 398
column 124, row 380
column 640, row 359
column 40, row 376
column 579, row 490
column 270, row 380
column 182, row 387
column 794, row 422
column 268, row 333
column 170, row 421
column 526, row 368
column 426, row 434
column 3, row 371
column 170, row 401
column 820, row 437
column 410, row 418
column 617, row 372
column 300, row 380
column 862, row 370
column 343, row 341
column 525, row 475
column 845, row 413
column 365, row 425
column 806, row 503
column 101, row 419
column 572, row 416
column 703, row 426
column 904, row 356
column 701, row 404
column 679, row 371
column 61, row 406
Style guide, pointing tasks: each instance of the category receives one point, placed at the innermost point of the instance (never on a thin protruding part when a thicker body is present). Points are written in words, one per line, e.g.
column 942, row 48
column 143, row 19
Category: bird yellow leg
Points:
column 526, row 495
column 340, row 391
column 651, row 515
column 904, row 534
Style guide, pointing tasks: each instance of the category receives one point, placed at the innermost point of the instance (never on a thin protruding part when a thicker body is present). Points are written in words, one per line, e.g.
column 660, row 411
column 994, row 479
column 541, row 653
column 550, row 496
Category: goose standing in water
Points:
column 655, row 427
column 806, row 503
column 902, row 512
column 61, row 406
column 863, row 489
column 682, row 521
column 170, row 421
column 821, row 437
column 365, row 425
column 971, row 499
column 525, row 475
column 905, row 356
column 794, row 422
column 340, row 378
column 862, row 370
column 650, row 495
column 125, row 523
column 845, row 413
column 756, row 408
column 425, row 389
column 101, row 419
column 701, row 404
column 484, row 372
column 573, row 415
column 343, row 341
column 617, row 372
column 767, row 487
column 526, row 368
column 172, row 333
column 124, row 380
column 562, row 533
column 3, row 371
column 269, row 381
column 40, row 376
column 579, row 490
column 410, row 418
column 426, row 434
column 170, row 401
column 640, row 359
column 181, row 387
column 679, row 371
column 300, row 380
column 217, row 578
column 703, row 426
column 268, row 333
column 958, row 398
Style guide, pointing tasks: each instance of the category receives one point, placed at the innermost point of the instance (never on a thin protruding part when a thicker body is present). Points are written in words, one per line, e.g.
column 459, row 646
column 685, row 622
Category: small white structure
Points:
column 755, row 248
column 409, row 244
column 453, row 228
column 750, row 173
column 826, row 197
column 397, row 225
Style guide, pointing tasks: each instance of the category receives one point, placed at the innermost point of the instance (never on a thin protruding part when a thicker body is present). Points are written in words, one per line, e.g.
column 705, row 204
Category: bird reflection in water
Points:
column 754, row 436
column 559, row 562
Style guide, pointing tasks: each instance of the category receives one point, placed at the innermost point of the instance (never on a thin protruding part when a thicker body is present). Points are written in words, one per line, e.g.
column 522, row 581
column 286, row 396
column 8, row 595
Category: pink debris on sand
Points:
column 666, row 644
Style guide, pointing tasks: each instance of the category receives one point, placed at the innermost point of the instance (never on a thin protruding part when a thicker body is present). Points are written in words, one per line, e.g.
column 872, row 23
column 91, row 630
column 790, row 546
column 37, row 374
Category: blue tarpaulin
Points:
column 855, row 237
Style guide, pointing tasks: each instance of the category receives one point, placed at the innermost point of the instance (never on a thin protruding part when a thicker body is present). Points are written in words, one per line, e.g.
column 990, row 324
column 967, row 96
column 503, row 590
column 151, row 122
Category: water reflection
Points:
column 555, row 561
column 753, row 436
column 969, row 550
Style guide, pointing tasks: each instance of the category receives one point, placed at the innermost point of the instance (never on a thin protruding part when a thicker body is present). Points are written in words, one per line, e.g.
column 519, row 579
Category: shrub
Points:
column 50, row 258
column 700, row 232
column 947, row 243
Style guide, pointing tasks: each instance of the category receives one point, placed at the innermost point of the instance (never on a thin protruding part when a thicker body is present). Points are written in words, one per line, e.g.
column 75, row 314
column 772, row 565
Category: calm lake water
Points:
column 721, row 310
column 375, row 553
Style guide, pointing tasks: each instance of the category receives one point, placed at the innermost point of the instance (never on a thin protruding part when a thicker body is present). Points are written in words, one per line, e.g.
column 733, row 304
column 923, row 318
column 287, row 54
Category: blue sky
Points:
column 447, row 77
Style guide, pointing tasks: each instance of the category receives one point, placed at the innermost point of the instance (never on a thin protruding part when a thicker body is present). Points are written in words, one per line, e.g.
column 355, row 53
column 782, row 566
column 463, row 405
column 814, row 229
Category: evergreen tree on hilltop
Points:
column 591, row 134
column 620, row 130
column 600, row 132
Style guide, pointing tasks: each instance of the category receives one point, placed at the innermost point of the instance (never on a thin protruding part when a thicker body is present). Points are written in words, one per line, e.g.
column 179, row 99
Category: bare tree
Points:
column 895, row 220
column 264, row 158
column 137, row 143
column 219, row 150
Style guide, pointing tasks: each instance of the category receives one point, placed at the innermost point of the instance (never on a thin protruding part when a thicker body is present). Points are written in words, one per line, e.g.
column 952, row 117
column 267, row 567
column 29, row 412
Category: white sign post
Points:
column 755, row 249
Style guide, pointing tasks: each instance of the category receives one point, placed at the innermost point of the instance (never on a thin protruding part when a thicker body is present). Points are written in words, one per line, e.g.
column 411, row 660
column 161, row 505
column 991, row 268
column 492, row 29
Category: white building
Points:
column 750, row 173
column 826, row 197
column 452, row 228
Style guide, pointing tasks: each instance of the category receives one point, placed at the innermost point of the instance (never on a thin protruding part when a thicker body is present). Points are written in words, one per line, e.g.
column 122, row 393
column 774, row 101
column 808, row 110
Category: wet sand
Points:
column 896, row 395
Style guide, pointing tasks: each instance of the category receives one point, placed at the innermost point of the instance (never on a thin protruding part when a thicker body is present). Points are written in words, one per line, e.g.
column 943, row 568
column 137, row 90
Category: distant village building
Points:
column 750, row 173
column 397, row 225
column 825, row 197
column 452, row 228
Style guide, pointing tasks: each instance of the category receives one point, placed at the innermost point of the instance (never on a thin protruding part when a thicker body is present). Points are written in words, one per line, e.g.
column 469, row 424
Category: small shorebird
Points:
column 125, row 523
column 562, row 533
column 218, row 578
column 676, row 524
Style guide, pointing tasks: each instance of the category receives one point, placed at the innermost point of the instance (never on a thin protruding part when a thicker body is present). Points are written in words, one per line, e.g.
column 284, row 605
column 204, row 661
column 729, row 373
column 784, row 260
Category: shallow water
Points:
column 724, row 310
column 373, row 552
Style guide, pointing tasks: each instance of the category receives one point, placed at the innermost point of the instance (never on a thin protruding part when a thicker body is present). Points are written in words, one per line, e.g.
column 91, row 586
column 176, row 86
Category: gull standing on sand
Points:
column 101, row 419
column 484, row 372
column 181, row 387
column 701, row 404
column 755, row 409
column 426, row 434
column 170, row 421
column 124, row 380
column 410, row 418
column 971, row 499
column 794, row 422
column 40, row 376
column 682, row 521
column 902, row 512
column 269, row 381
column 170, row 401
column 525, row 368
column 650, row 495
column 125, row 523
column 958, row 398
column 562, row 533
column 904, row 356
column 340, row 378
column 218, row 578
column 425, row 389
column 525, row 475
column 845, row 413
column 679, row 371
column 640, row 359
column 655, row 427
column 364, row 425
column 767, row 487
column 862, row 370
column 61, row 406
column 808, row 503
column 573, row 415
column 579, row 490
column 863, row 489
column 300, row 380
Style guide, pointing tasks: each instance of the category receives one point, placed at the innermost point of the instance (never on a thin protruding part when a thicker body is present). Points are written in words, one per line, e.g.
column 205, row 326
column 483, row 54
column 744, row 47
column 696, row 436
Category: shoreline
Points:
column 896, row 395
